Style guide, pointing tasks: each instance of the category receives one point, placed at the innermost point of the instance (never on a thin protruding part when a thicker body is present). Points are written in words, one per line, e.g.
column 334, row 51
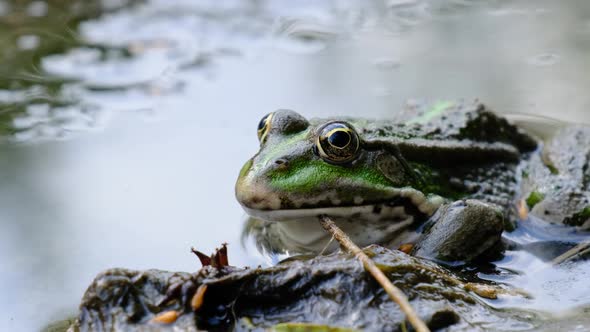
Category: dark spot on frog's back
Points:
column 485, row 125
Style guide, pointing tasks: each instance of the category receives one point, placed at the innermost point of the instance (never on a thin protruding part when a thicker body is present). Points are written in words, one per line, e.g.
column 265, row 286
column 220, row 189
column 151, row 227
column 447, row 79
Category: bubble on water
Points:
column 386, row 63
column 452, row 8
column 544, row 59
column 37, row 9
column 42, row 122
column 382, row 91
column 514, row 11
column 27, row 42
column 113, row 4
column 409, row 13
column 299, row 36
column 4, row 8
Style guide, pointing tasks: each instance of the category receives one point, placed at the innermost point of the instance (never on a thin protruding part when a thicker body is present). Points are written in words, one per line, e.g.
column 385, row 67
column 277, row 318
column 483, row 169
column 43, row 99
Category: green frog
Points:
column 446, row 178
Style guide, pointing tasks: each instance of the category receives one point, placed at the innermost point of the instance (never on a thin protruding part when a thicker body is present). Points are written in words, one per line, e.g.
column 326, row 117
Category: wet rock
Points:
column 462, row 231
column 557, row 182
column 331, row 290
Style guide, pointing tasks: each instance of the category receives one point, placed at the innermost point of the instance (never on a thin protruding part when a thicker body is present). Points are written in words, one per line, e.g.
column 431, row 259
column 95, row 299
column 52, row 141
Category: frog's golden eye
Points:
column 264, row 127
column 337, row 143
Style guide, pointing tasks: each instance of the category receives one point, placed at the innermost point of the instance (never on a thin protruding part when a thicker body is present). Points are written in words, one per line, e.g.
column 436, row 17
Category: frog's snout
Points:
column 253, row 192
column 256, row 196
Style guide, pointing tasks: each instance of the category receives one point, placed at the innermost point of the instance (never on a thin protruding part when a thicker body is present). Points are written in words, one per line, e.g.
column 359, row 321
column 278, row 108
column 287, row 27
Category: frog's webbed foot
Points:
column 263, row 235
column 462, row 231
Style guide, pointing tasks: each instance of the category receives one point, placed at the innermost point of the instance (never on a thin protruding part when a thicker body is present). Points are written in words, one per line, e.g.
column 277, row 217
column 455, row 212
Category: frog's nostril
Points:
column 281, row 164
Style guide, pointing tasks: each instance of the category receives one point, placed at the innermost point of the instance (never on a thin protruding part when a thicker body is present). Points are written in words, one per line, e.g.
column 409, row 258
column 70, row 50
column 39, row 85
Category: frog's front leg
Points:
column 462, row 231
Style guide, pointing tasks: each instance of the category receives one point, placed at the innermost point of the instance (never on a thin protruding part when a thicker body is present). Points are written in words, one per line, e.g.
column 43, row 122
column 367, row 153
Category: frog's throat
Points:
column 426, row 205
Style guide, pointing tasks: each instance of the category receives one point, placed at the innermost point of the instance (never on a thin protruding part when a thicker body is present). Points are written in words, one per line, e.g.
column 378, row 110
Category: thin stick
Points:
column 394, row 293
column 579, row 250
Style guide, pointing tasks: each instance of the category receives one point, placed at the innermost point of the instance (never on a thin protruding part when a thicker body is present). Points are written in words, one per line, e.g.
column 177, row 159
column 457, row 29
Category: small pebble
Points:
column 523, row 211
column 545, row 59
column 406, row 248
column 166, row 317
column 197, row 300
column 487, row 291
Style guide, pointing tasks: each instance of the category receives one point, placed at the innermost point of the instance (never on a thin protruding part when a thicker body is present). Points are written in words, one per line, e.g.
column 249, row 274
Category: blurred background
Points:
column 123, row 124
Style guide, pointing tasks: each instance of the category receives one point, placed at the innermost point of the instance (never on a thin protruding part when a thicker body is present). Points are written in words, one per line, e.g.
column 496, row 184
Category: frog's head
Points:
column 306, row 168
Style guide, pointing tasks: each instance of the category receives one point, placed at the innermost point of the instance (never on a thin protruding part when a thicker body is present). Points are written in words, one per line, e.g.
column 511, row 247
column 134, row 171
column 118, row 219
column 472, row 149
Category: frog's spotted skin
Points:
column 402, row 171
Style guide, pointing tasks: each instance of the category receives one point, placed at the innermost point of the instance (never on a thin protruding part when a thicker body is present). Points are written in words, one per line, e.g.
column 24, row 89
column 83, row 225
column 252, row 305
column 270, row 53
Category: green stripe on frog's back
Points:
column 434, row 111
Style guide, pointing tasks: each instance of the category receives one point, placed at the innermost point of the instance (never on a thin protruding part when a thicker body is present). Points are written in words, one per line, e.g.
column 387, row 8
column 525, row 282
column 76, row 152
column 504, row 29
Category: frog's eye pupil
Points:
column 262, row 122
column 337, row 143
column 263, row 127
column 340, row 139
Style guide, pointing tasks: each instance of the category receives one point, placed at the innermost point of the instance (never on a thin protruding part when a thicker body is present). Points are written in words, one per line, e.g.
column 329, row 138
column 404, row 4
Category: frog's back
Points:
column 452, row 121
column 463, row 150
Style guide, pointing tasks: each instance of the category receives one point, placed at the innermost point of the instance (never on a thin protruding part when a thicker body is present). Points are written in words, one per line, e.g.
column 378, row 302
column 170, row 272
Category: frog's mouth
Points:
column 399, row 202
column 340, row 211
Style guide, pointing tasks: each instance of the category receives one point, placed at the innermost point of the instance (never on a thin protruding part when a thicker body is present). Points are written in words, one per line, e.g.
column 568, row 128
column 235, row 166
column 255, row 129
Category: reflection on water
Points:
column 125, row 122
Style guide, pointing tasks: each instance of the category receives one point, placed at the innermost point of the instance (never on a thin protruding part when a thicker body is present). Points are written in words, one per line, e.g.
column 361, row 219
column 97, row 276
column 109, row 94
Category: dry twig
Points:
column 579, row 250
column 394, row 293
